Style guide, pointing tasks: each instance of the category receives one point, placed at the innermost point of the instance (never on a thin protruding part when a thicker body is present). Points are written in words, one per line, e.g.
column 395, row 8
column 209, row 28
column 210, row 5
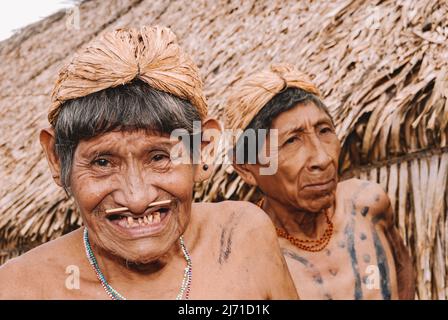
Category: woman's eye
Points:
column 159, row 157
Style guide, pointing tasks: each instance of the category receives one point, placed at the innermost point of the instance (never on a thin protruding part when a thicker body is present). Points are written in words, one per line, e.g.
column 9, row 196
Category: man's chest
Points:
column 356, row 264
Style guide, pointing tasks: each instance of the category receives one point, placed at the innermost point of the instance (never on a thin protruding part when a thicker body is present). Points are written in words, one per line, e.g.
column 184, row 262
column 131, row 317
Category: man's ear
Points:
column 245, row 173
column 47, row 141
column 210, row 144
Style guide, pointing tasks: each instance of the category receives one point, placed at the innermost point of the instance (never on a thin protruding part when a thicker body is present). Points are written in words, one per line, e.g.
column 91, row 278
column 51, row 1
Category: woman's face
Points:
column 132, row 169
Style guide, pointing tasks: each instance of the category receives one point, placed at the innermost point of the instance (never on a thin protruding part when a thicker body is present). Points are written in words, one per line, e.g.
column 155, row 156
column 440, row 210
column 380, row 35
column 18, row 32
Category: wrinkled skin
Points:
column 365, row 257
column 133, row 169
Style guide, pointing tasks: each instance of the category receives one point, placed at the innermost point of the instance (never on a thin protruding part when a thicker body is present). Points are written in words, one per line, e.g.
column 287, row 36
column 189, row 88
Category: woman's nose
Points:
column 136, row 193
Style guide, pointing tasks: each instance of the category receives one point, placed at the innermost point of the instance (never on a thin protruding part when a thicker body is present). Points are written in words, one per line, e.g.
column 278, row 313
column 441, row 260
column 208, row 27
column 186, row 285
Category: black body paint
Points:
column 341, row 244
column 317, row 277
column 382, row 265
column 226, row 239
column 349, row 234
column 366, row 258
column 364, row 211
column 226, row 245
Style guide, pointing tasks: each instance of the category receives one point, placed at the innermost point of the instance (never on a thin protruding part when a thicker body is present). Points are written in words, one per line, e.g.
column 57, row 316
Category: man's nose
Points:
column 136, row 192
column 318, row 159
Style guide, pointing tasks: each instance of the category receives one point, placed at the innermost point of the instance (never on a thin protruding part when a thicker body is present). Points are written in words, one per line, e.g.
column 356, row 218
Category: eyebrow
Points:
column 300, row 128
column 98, row 150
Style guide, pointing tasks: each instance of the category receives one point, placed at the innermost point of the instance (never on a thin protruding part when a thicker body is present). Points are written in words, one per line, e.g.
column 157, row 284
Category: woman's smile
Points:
column 150, row 223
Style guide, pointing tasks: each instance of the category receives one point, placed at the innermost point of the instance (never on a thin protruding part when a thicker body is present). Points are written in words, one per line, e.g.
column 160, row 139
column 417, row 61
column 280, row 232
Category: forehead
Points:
column 302, row 115
column 124, row 140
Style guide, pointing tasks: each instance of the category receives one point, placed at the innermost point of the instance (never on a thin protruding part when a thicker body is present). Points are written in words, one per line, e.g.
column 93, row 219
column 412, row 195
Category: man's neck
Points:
column 297, row 222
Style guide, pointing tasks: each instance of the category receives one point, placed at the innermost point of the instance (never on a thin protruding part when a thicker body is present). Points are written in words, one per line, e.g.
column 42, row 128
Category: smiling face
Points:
column 132, row 169
column 308, row 152
column 113, row 149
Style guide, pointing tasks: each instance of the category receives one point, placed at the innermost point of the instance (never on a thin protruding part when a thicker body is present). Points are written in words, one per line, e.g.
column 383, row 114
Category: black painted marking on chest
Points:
column 366, row 258
column 363, row 236
column 317, row 277
column 382, row 265
column 364, row 211
column 350, row 237
column 296, row 257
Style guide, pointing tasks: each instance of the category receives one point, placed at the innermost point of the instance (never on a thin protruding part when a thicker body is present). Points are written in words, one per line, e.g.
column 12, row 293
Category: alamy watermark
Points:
column 260, row 147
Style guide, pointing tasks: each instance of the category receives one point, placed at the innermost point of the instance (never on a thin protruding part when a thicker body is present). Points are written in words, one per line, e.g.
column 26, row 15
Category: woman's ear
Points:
column 210, row 144
column 245, row 173
column 47, row 141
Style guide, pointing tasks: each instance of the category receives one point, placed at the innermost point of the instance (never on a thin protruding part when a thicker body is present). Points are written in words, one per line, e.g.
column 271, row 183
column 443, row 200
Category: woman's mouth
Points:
column 130, row 221
column 150, row 223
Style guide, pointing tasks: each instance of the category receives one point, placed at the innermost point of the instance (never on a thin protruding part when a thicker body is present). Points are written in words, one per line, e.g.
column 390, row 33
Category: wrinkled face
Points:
column 308, row 152
column 132, row 169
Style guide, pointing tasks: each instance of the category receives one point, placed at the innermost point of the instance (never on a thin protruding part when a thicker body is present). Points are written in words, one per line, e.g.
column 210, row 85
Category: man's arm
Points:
column 402, row 258
column 384, row 216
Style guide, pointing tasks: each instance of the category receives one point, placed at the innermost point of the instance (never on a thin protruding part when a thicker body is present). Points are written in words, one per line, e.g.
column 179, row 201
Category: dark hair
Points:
column 280, row 103
column 133, row 106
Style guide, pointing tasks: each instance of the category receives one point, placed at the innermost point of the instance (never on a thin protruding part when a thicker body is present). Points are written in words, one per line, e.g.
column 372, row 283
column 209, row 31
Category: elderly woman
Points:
column 109, row 146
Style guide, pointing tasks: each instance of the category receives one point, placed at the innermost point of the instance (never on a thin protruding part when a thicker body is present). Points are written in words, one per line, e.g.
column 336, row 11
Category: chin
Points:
column 139, row 258
column 323, row 203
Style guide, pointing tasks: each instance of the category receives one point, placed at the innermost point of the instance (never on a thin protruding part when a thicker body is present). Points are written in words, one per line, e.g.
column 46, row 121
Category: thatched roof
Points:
column 382, row 67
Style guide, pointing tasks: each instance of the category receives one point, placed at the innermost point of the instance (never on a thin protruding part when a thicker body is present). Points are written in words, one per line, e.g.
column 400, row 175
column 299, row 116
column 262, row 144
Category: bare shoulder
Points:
column 241, row 237
column 243, row 214
column 26, row 276
column 240, row 220
column 368, row 198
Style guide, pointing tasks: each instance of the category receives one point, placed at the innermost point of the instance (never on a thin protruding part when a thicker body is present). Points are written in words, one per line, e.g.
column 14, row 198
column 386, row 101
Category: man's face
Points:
column 132, row 169
column 308, row 152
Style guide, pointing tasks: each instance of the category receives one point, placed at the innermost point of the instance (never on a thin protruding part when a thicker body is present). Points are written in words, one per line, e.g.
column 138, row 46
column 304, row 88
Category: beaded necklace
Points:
column 185, row 288
column 307, row 244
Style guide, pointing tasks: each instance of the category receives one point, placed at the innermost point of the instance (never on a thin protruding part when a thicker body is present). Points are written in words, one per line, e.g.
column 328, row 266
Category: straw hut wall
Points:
column 381, row 65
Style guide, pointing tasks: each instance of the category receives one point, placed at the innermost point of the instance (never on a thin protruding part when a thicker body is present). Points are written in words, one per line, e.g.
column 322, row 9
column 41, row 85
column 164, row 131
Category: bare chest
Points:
column 356, row 264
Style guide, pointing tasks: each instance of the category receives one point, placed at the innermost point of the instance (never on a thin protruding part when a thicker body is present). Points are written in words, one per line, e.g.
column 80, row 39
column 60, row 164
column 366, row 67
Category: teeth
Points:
column 129, row 222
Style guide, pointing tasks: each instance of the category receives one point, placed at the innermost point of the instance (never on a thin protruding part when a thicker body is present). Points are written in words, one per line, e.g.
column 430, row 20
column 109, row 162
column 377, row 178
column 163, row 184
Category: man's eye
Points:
column 101, row 162
column 325, row 130
column 291, row 140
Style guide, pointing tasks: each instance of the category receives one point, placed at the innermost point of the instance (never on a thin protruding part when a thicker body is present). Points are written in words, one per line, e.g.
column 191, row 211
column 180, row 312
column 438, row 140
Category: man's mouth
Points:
column 320, row 185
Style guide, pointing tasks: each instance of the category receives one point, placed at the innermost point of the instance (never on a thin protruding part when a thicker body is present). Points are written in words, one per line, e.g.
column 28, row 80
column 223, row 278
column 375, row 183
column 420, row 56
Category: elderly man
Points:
column 114, row 108
column 338, row 238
